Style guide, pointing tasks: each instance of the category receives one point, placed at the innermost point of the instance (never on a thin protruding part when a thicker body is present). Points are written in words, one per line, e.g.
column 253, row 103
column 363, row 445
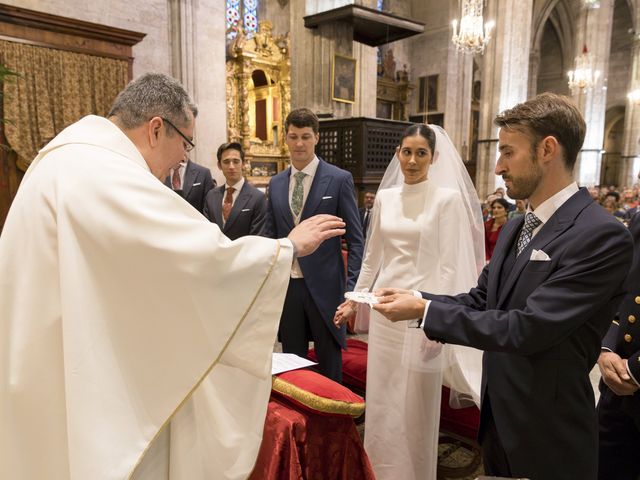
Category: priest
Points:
column 135, row 338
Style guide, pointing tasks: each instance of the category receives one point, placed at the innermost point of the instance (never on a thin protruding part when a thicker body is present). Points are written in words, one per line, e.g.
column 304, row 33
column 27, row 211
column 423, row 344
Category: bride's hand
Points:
column 345, row 311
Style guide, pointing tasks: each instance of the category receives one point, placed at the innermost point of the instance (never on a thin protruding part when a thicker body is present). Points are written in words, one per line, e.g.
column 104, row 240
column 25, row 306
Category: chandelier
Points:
column 584, row 76
column 634, row 96
column 474, row 34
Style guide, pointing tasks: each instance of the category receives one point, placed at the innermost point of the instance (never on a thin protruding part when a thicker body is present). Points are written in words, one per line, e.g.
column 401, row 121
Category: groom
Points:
column 541, row 306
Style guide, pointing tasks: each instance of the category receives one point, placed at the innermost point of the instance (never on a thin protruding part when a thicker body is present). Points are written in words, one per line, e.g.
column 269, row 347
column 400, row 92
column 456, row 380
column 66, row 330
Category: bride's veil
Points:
column 462, row 366
column 448, row 171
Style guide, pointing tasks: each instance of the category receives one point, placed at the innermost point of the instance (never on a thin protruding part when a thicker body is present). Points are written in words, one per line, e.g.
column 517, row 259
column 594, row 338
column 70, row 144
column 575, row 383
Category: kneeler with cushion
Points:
column 354, row 365
column 309, row 431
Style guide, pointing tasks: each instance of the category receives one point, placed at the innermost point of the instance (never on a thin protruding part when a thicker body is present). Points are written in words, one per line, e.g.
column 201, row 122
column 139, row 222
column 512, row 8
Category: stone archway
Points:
column 552, row 46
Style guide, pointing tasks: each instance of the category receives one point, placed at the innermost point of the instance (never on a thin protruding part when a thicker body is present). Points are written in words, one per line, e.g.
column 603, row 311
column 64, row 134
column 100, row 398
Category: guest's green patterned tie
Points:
column 298, row 194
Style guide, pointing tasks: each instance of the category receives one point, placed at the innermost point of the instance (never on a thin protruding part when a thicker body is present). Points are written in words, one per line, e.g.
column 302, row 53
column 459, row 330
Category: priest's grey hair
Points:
column 153, row 95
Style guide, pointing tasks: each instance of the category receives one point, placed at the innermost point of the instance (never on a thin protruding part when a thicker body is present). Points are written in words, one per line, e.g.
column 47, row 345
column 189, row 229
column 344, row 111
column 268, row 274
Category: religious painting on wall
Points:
column 343, row 79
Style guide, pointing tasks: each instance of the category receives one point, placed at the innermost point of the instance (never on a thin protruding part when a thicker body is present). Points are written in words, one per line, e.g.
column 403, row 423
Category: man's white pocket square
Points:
column 245, row 210
column 539, row 256
column 326, row 198
column 196, row 184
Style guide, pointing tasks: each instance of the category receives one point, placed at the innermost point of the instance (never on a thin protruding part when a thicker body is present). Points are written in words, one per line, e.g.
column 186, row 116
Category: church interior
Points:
column 362, row 66
column 366, row 68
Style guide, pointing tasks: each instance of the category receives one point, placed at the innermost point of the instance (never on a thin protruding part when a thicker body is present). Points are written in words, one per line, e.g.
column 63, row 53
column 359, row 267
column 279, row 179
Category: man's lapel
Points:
column 189, row 179
column 318, row 188
column 238, row 205
column 506, row 238
column 218, row 193
column 559, row 222
column 281, row 198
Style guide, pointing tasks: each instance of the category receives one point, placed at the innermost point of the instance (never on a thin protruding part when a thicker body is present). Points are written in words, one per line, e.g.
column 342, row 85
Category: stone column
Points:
column 459, row 78
column 593, row 102
column 197, row 34
column 504, row 80
column 534, row 66
column 631, row 139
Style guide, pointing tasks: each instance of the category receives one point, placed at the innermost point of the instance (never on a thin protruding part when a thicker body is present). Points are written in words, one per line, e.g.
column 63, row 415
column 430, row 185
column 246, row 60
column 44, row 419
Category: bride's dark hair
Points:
column 424, row 131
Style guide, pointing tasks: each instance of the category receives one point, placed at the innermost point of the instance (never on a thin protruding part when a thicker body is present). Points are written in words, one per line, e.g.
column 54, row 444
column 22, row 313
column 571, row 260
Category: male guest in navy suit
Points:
column 311, row 186
column 619, row 362
column 541, row 306
column 237, row 206
column 192, row 182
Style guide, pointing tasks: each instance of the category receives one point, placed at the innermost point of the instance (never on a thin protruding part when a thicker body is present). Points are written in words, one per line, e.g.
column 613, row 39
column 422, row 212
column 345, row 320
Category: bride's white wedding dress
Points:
column 403, row 405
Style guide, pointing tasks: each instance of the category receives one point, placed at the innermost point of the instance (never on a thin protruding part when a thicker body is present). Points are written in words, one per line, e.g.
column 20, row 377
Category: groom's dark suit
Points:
column 540, row 323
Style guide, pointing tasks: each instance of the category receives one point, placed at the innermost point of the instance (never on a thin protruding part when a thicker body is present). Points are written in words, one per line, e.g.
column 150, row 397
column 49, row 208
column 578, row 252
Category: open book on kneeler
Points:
column 317, row 394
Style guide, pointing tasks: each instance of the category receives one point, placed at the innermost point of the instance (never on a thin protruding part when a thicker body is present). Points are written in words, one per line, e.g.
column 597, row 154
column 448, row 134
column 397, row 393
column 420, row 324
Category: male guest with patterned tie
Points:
column 365, row 212
column 237, row 206
column 541, row 306
column 317, row 283
column 191, row 181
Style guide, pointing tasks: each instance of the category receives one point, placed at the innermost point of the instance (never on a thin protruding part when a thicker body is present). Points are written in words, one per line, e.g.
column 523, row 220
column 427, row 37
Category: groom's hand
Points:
column 310, row 233
column 397, row 305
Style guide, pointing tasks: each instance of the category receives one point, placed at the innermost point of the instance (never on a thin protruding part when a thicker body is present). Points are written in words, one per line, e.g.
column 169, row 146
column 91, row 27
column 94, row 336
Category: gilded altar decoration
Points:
column 258, row 91
column 394, row 89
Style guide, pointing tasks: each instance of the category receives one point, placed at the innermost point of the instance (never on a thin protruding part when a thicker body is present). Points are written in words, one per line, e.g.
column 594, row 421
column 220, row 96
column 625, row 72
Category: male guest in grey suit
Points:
column 311, row 186
column 237, row 206
column 541, row 306
column 619, row 362
column 192, row 182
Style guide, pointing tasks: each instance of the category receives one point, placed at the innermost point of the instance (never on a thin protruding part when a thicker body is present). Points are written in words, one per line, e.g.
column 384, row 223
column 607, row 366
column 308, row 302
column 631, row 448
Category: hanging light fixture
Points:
column 474, row 34
column 584, row 76
column 634, row 96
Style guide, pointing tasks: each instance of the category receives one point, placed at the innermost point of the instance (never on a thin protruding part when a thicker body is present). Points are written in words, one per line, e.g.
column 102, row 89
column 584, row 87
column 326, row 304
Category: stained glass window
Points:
column 242, row 12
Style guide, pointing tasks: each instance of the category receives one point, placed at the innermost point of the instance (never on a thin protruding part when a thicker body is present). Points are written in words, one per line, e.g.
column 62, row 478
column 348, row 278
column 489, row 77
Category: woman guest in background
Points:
column 426, row 232
column 492, row 227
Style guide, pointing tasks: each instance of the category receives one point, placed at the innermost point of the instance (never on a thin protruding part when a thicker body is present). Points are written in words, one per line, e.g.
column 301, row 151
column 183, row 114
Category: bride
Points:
column 426, row 232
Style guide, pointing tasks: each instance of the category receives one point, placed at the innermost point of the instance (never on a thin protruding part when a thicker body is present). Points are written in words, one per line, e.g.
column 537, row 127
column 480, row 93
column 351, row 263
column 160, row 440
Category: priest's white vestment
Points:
column 135, row 338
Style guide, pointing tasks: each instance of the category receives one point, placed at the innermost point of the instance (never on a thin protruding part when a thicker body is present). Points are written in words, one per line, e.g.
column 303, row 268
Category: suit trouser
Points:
column 300, row 322
column 619, row 440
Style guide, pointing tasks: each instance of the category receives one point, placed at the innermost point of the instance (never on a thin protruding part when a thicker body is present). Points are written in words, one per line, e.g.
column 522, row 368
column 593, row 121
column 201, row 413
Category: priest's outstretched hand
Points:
column 310, row 233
